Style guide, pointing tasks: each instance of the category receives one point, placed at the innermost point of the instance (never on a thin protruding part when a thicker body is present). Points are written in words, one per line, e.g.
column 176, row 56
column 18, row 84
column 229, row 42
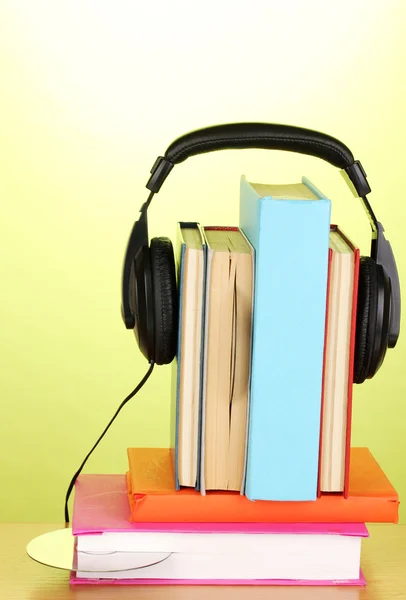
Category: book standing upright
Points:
column 289, row 228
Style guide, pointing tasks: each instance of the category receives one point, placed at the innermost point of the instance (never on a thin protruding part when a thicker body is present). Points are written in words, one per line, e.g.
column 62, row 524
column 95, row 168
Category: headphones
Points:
column 149, row 288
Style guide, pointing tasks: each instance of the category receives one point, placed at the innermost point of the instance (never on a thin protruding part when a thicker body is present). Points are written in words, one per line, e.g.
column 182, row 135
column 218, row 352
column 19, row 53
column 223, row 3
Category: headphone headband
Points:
column 268, row 136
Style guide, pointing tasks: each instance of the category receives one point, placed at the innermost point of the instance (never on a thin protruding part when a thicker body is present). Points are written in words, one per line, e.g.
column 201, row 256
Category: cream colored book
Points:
column 187, row 368
column 227, row 356
column 337, row 386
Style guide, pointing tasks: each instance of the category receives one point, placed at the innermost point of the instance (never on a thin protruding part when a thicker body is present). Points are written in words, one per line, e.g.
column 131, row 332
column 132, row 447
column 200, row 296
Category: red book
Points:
column 336, row 413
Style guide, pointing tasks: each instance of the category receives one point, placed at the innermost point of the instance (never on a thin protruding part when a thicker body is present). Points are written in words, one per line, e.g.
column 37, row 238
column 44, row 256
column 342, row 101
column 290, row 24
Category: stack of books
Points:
column 139, row 529
column 260, row 483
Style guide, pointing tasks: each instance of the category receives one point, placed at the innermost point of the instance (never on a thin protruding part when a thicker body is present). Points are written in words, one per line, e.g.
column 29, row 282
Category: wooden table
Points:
column 383, row 563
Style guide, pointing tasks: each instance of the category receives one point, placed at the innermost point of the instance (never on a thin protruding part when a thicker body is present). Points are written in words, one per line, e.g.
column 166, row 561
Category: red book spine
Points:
column 220, row 228
column 351, row 372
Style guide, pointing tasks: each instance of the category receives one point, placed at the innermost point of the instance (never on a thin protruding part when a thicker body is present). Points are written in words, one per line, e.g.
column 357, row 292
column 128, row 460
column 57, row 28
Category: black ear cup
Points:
column 165, row 303
column 373, row 311
column 141, row 302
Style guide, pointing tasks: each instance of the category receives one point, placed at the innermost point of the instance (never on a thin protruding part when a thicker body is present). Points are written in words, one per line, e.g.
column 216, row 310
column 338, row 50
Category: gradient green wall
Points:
column 90, row 94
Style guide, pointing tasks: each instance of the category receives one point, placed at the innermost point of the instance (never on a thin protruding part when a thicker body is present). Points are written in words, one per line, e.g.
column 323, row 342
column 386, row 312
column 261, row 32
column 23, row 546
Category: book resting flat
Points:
column 152, row 496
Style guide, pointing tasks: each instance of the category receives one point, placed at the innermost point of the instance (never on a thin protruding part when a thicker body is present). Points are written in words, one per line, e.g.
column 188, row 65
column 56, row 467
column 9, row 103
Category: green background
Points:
column 90, row 94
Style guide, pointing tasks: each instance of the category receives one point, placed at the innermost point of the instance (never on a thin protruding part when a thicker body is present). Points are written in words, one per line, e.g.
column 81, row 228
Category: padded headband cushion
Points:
column 165, row 299
column 366, row 315
column 272, row 136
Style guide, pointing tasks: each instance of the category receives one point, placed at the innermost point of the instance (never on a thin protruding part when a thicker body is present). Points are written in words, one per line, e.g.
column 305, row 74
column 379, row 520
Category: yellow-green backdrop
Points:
column 90, row 94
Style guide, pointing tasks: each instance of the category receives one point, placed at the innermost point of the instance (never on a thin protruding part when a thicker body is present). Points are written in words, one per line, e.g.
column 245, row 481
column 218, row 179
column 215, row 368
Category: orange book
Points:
column 153, row 497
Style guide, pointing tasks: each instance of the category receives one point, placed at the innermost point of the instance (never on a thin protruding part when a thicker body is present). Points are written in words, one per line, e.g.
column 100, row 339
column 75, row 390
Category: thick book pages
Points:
column 338, row 365
column 227, row 358
column 190, row 258
column 153, row 498
column 327, row 561
column 108, row 545
column 289, row 227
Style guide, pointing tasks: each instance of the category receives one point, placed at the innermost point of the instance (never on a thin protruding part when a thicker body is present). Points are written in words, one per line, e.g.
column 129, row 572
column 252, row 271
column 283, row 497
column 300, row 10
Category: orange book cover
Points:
column 153, row 497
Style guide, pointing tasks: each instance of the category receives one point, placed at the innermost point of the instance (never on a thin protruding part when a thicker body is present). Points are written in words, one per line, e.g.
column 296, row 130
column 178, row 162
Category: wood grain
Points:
column 383, row 562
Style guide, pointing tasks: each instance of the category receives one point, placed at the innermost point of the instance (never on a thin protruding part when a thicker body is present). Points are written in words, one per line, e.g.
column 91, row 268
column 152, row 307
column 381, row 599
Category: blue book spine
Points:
column 291, row 242
column 174, row 416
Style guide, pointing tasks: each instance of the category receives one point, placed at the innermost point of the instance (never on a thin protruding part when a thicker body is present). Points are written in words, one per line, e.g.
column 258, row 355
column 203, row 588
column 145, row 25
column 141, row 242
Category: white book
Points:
column 215, row 556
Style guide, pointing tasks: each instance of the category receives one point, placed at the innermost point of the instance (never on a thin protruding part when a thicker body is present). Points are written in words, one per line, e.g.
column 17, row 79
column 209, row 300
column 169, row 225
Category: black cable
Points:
column 73, row 480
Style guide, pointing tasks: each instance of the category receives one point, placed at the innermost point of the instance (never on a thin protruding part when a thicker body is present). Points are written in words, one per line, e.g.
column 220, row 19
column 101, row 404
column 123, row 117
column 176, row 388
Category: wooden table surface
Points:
column 21, row 578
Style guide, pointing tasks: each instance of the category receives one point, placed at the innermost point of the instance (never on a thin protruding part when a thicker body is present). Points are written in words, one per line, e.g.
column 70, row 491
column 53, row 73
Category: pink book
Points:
column 140, row 582
column 101, row 505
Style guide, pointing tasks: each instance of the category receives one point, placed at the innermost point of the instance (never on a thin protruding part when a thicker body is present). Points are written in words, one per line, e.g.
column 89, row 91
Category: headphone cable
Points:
column 131, row 395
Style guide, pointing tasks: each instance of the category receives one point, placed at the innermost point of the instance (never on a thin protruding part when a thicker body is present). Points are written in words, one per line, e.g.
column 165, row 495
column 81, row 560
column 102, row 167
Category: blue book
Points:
column 190, row 258
column 289, row 228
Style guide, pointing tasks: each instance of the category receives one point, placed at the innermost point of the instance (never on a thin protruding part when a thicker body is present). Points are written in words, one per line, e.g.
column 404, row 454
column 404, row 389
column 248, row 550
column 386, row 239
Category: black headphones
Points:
column 149, row 289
